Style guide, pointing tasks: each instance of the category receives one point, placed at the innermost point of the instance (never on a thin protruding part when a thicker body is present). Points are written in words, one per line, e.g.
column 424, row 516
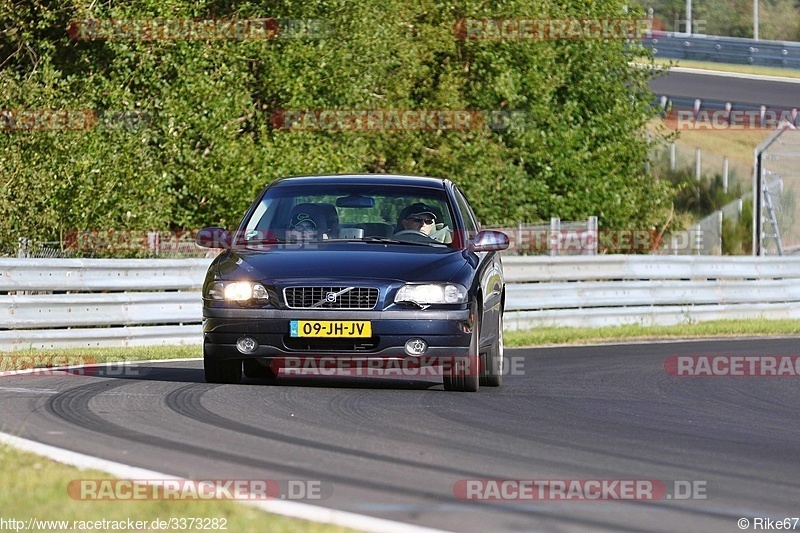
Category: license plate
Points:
column 330, row 328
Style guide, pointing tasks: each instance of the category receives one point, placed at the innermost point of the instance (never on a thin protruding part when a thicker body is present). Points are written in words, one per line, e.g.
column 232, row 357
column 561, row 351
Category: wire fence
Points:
column 777, row 211
column 673, row 156
column 111, row 244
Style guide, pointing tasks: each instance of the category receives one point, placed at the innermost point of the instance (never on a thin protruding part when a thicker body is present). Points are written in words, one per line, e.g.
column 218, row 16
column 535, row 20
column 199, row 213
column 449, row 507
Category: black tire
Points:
column 492, row 360
column 254, row 369
column 463, row 373
column 225, row 371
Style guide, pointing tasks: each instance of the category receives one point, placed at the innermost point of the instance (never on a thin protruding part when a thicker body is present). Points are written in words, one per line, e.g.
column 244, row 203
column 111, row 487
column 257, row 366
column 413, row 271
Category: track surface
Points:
column 395, row 447
column 774, row 94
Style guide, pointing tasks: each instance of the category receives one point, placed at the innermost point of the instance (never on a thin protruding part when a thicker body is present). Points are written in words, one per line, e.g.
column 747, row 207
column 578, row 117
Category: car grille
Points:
column 330, row 297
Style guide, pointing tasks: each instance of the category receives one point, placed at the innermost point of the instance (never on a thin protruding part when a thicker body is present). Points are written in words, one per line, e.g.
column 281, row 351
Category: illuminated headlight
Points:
column 236, row 291
column 432, row 293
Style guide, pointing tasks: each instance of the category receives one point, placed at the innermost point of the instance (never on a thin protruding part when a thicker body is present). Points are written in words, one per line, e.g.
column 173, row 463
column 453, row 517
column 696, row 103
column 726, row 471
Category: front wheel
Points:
column 462, row 374
column 225, row 371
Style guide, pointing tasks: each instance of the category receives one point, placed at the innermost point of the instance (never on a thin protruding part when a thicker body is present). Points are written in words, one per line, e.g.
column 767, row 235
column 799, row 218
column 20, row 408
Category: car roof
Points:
column 363, row 179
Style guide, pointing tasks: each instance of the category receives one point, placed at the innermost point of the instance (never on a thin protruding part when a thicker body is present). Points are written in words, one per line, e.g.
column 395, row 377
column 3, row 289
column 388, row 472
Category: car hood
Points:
column 344, row 261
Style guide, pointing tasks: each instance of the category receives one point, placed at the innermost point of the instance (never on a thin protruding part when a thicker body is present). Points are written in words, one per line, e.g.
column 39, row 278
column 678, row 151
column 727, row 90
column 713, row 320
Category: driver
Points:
column 417, row 217
column 308, row 223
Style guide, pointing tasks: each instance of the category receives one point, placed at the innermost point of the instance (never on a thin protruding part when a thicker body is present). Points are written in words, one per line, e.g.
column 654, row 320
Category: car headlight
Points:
column 432, row 293
column 236, row 291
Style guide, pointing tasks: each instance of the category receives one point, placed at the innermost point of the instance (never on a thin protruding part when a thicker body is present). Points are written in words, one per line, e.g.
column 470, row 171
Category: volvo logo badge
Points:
column 330, row 297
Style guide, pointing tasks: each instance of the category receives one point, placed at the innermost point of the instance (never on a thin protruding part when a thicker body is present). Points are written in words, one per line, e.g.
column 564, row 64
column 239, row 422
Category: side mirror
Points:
column 213, row 237
column 489, row 241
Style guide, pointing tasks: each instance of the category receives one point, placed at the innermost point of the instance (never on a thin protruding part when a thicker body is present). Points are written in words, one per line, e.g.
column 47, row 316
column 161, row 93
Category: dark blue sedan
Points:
column 358, row 272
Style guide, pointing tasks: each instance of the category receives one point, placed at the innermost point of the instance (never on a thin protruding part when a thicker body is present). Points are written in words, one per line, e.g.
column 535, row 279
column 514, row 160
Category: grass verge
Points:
column 35, row 487
column 711, row 329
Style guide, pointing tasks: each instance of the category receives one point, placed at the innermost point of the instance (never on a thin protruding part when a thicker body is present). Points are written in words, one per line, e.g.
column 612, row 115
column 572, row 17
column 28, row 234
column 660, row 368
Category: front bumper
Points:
column 447, row 333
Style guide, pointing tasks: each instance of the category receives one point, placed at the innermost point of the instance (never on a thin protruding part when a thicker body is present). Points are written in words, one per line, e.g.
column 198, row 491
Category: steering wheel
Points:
column 409, row 232
column 414, row 235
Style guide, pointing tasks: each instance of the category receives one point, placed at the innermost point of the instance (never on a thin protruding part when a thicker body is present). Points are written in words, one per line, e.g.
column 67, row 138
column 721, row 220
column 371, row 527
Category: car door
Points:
column 489, row 271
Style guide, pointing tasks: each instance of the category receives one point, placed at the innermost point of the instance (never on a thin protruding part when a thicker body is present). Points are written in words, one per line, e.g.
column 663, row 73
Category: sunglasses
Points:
column 425, row 220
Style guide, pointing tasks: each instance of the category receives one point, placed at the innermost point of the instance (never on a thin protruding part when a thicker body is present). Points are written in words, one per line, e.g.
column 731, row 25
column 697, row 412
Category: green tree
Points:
column 210, row 145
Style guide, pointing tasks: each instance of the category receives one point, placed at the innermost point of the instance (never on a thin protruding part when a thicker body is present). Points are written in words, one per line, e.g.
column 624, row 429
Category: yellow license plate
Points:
column 330, row 328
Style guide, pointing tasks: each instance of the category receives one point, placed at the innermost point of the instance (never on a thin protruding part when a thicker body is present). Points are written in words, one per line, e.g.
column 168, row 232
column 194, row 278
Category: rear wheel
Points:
column 462, row 374
column 225, row 371
column 492, row 360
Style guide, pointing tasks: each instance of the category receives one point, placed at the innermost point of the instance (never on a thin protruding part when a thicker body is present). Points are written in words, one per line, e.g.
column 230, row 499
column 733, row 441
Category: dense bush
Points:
column 210, row 144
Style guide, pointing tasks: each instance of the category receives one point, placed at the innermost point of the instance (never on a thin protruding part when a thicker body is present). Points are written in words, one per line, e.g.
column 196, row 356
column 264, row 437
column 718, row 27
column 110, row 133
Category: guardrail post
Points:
column 23, row 247
column 697, row 166
column 555, row 234
column 593, row 231
column 688, row 17
column 672, row 156
column 698, row 240
column 725, row 174
column 755, row 20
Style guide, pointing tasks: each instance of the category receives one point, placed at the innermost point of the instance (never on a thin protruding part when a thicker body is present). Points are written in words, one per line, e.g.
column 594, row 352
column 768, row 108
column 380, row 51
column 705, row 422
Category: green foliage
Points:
column 737, row 235
column 694, row 200
column 210, row 145
column 701, row 197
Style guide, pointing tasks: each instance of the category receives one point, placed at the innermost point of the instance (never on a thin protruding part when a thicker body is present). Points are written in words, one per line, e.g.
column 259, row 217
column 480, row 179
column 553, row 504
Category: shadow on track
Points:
column 179, row 374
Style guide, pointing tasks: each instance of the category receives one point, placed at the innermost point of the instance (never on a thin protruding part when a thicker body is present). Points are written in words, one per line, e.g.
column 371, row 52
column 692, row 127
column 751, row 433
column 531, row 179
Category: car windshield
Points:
column 365, row 213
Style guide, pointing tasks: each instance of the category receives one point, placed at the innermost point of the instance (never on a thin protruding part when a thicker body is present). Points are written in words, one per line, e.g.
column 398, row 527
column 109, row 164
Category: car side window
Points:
column 470, row 223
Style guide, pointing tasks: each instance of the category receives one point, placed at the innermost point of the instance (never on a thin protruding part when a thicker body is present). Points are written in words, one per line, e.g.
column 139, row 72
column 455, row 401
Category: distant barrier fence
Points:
column 59, row 303
column 724, row 49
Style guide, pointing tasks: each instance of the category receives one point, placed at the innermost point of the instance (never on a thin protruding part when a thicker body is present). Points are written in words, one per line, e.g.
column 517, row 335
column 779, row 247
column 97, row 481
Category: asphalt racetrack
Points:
column 719, row 87
column 403, row 448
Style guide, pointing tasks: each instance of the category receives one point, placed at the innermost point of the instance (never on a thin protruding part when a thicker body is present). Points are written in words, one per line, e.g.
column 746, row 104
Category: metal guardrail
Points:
column 73, row 303
column 724, row 49
column 102, row 274
column 645, row 289
column 647, row 267
column 57, row 303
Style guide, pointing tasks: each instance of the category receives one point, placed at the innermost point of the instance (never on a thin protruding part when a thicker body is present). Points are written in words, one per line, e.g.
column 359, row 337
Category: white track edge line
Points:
column 299, row 510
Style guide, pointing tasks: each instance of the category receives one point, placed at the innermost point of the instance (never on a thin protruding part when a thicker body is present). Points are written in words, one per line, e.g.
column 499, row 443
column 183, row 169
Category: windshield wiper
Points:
column 261, row 242
column 397, row 241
